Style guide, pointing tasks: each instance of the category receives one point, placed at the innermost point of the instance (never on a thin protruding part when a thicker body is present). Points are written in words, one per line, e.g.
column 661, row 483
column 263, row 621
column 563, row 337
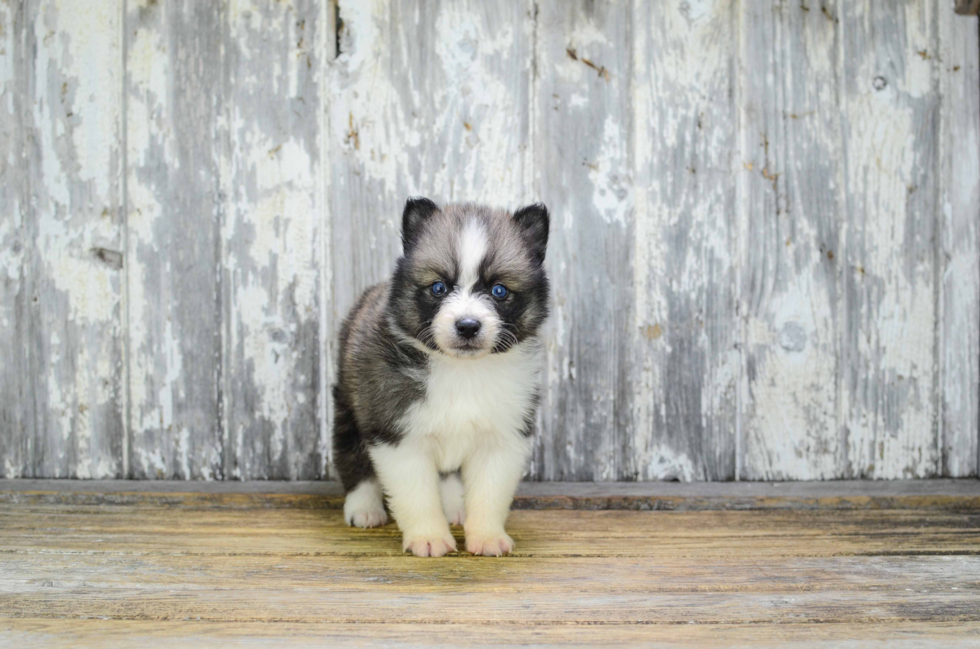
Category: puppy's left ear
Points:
column 533, row 222
column 417, row 212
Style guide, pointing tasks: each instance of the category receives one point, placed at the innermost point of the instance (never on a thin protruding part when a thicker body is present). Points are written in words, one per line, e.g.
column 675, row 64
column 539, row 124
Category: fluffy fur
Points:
column 436, row 419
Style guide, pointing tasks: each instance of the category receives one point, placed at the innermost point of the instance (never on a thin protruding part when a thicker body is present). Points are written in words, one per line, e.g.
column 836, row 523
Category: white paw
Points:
column 373, row 518
column 494, row 544
column 451, row 490
column 364, row 506
column 429, row 545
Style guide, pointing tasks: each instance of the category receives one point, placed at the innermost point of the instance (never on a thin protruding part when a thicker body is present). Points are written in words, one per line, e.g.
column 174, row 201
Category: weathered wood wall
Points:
column 765, row 244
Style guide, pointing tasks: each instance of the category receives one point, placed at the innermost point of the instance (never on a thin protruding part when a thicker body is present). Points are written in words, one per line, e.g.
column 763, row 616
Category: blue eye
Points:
column 499, row 291
column 439, row 288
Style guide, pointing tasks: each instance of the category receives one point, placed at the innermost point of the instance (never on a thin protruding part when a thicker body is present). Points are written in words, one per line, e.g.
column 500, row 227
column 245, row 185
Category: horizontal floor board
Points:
column 154, row 568
column 945, row 494
column 51, row 572
column 82, row 634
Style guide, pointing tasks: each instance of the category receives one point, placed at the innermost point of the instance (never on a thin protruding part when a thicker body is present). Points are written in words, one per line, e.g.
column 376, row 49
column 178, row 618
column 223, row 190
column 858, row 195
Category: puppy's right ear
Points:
column 417, row 212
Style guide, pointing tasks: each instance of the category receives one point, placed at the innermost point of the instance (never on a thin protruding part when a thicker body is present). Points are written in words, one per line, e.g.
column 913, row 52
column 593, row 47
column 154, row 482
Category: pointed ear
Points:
column 533, row 223
column 417, row 212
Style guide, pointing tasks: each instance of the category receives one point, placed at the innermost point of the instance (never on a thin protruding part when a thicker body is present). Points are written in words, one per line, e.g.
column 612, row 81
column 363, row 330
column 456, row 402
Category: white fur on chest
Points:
column 473, row 402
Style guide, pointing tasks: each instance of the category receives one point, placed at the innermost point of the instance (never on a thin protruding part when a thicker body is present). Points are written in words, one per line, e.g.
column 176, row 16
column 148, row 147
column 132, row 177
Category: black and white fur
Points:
column 438, row 421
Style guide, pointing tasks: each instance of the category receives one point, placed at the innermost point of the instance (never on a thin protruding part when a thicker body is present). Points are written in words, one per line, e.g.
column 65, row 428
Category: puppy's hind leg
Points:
column 364, row 505
column 451, row 490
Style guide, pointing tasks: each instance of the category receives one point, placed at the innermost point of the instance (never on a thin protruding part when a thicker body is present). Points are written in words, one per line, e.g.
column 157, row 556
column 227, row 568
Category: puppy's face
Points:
column 471, row 282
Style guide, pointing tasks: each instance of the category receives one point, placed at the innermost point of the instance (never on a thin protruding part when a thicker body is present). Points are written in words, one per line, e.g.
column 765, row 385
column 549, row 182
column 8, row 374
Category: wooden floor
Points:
column 892, row 564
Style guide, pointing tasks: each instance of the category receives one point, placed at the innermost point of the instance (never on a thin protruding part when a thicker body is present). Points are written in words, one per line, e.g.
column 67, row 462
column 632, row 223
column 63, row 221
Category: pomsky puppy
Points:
column 438, row 377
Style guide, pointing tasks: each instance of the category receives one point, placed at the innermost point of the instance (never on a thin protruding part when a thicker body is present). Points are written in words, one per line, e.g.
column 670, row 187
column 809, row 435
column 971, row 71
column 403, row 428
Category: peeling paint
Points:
column 745, row 284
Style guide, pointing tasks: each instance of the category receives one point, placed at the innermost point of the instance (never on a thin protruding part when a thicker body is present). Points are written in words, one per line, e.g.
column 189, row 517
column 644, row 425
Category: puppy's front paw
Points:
column 429, row 545
column 495, row 544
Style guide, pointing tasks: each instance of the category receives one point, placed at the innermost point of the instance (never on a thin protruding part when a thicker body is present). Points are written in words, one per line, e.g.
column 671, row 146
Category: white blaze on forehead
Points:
column 472, row 249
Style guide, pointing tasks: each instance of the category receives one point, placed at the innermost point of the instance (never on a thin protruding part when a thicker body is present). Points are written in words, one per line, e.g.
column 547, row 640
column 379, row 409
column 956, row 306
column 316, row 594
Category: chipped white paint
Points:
column 270, row 242
column 684, row 329
column 789, row 163
column 959, row 350
column 765, row 246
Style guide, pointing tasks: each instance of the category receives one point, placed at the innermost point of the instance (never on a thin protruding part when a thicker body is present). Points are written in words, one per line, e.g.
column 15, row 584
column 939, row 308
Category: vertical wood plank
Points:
column 582, row 164
column 425, row 98
column 888, row 336
column 174, row 100
column 271, row 233
column 791, row 173
column 72, row 130
column 16, row 388
column 686, row 400
column 960, row 209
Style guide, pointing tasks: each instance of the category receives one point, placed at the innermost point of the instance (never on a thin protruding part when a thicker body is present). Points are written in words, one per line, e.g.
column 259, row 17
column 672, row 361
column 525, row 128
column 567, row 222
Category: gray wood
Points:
column 765, row 244
column 425, row 99
column 582, row 153
column 16, row 389
column 890, row 99
column 961, row 496
column 270, row 282
column 761, row 489
column 791, row 209
column 66, row 317
column 174, row 105
column 686, row 360
column 959, row 352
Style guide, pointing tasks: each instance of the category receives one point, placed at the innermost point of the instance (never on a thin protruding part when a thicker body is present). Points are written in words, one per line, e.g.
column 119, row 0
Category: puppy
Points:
column 438, row 377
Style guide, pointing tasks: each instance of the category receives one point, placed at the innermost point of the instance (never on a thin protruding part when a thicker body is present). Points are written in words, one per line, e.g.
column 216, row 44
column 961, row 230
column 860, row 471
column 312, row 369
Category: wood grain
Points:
column 764, row 239
column 790, row 175
column 68, row 317
column 582, row 154
column 959, row 256
column 17, row 419
column 174, row 241
column 271, row 240
column 33, row 632
column 686, row 359
column 888, row 244
column 153, row 571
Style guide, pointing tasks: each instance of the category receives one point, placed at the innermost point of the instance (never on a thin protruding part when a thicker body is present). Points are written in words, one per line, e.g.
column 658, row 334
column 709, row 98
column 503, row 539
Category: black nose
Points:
column 467, row 327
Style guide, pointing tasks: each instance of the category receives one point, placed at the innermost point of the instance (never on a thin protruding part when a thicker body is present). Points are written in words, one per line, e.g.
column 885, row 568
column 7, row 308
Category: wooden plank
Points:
column 31, row 633
column 71, row 309
column 685, row 291
column 534, row 576
column 922, row 495
column 790, row 213
column 145, row 563
column 959, row 352
column 648, row 536
column 375, row 607
column 888, row 263
column 16, row 388
column 174, row 103
column 582, row 151
column 152, row 573
column 271, row 240
column 424, row 99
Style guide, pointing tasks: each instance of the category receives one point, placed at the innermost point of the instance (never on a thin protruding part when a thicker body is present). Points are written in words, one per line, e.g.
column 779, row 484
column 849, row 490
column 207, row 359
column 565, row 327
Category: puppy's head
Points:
column 471, row 281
